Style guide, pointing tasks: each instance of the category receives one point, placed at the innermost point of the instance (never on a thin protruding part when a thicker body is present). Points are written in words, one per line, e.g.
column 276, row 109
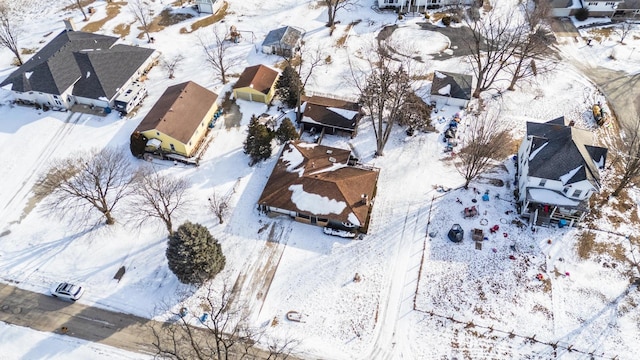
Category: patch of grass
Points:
column 122, row 29
column 588, row 247
column 599, row 33
column 74, row 6
column 212, row 19
column 164, row 19
column 113, row 9
column 486, row 6
column 586, row 242
column 343, row 39
column 295, row 61
column 28, row 51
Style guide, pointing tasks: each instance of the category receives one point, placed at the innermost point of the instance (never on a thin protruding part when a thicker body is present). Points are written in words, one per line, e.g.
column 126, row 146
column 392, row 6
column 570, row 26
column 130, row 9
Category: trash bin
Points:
column 562, row 223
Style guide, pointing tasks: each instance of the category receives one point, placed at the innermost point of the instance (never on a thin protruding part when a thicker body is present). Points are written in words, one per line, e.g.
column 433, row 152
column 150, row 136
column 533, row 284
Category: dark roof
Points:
column 179, row 111
column 331, row 102
column 559, row 149
column 258, row 77
column 53, row 69
column 558, row 4
column 68, row 58
column 108, row 69
column 283, row 36
column 319, row 175
column 629, row 5
column 460, row 84
column 331, row 116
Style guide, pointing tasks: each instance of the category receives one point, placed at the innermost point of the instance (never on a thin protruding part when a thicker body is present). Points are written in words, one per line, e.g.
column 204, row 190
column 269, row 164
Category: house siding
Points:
column 251, row 94
column 448, row 100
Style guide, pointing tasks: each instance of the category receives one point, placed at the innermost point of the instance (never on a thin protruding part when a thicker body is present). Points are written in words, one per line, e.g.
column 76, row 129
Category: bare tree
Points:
column 91, row 181
column 483, row 142
column 304, row 63
column 491, row 47
column 224, row 334
column 216, row 51
column 334, row 5
column 629, row 160
column 142, row 13
column 171, row 64
column 219, row 205
column 532, row 44
column 384, row 89
column 623, row 30
column 10, row 30
column 78, row 3
column 158, row 197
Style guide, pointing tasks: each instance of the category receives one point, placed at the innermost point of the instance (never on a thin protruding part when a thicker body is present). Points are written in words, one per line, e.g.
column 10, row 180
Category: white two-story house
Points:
column 422, row 4
column 557, row 172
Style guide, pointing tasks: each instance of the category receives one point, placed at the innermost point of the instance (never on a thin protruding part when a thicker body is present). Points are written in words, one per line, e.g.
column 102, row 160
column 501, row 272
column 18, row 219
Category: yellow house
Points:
column 257, row 83
column 178, row 121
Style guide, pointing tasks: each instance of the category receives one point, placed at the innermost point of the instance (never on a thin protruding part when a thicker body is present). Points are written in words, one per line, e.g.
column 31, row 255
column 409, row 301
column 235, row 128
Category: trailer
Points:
column 130, row 97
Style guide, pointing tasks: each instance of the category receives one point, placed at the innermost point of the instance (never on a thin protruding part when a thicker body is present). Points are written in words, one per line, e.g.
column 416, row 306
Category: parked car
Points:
column 67, row 291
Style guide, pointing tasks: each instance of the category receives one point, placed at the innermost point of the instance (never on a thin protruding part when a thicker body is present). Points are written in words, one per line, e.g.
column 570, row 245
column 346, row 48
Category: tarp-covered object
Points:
column 456, row 233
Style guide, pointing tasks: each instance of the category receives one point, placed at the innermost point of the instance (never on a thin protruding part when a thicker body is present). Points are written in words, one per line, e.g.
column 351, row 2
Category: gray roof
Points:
column 561, row 3
column 283, row 36
column 460, row 84
column 67, row 58
column 560, row 149
column 629, row 5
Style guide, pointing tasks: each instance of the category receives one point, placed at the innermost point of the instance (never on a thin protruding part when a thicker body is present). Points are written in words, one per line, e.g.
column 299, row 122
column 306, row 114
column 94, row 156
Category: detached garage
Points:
column 257, row 83
column 451, row 89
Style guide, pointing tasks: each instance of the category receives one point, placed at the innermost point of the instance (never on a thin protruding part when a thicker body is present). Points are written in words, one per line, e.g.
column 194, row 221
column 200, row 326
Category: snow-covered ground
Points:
column 418, row 296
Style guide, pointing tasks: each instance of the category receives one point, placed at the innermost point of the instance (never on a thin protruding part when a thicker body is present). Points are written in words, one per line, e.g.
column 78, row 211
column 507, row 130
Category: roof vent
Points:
column 329, row 151
column 332, row 159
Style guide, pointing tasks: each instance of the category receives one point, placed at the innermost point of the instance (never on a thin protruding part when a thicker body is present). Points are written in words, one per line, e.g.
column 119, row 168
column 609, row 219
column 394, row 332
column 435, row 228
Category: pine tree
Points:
column 258, row 142
column 286, row 131
column 193, row 254
column 289, row 87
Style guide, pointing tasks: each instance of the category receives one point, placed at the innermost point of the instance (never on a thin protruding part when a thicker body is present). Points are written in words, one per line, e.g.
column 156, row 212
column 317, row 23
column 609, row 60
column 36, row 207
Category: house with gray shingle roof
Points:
column 282, row 41
column 451, row 89
column 79, row 68
column 558, row 170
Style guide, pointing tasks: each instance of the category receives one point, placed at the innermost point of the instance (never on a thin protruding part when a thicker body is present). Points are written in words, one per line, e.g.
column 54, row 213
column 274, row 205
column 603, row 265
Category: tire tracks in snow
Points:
column 399, row 294
column 35, row 170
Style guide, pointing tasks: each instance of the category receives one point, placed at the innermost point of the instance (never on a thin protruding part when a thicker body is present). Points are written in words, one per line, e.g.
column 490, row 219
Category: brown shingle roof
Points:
column 179, row 111
column 258, row 77
column 321, row 176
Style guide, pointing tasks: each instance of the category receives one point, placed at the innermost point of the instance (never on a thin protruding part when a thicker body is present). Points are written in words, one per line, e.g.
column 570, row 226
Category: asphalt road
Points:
column 48, row 314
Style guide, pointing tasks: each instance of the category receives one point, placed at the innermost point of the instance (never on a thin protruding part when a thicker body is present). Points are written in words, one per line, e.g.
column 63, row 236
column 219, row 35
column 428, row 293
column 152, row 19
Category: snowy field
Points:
column 418, row 297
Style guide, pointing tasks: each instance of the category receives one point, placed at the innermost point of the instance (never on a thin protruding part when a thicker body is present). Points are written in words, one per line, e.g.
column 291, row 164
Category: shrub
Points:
column 194, row 256
column 446, row 21
column 582, row 14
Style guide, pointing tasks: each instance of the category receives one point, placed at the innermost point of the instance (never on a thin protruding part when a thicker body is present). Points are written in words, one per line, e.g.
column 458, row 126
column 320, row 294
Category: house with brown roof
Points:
column 320, row 185
column 330, row 116
column 256, row 83
column 177, row 122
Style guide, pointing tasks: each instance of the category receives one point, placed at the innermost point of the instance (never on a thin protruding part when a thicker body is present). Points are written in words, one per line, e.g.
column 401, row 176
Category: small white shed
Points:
column 451, row 89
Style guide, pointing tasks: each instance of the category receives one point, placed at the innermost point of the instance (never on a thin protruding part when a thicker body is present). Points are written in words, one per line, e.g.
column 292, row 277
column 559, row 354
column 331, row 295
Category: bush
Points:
column 194, row 256
column 582, row 14
column 427, row 16
column 446, row 21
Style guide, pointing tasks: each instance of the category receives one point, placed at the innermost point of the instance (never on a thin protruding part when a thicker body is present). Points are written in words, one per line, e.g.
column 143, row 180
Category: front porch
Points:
column 543, row 212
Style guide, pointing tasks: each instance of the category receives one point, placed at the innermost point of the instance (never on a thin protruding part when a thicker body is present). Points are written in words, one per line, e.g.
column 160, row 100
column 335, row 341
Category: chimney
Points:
column 69, row 25
column 365, row 199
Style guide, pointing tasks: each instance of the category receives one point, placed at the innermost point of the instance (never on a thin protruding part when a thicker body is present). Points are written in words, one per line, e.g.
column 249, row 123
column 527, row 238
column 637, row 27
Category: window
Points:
column 565, row 190
column 577, row 193
column 157, row 133
column 542, row 182
column 173, row 148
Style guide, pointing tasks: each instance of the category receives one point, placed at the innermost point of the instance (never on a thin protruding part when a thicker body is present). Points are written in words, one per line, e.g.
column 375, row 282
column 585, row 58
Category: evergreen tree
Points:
column 193, row 254
column 286, row 131
column 258, row 142
column 289, row 86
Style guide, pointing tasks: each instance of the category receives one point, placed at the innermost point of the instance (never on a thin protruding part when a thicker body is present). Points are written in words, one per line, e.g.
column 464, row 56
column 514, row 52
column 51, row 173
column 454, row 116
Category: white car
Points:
column 67, row 291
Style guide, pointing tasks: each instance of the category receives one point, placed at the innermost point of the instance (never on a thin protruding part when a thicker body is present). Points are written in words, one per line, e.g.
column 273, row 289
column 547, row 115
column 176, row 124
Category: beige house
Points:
column 178, row 121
